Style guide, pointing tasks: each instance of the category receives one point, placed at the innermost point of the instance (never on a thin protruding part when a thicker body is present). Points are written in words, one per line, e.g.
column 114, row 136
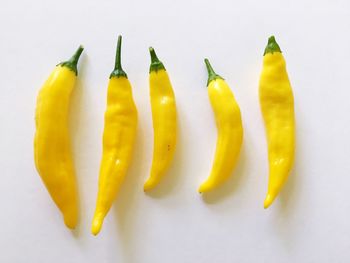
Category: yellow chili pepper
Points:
column 164, row 120
column 118, row 140
column 277, row 105
column 230, row 131
column 52, row 149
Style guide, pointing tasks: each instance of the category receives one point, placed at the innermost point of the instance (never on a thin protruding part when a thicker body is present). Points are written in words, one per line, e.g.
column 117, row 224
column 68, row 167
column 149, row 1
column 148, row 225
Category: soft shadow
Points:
column 282, row 214
column 77, row 231
column 232, row 184
column 288, row 197
column 125, row 207
column 75, row 115
column 172, row 178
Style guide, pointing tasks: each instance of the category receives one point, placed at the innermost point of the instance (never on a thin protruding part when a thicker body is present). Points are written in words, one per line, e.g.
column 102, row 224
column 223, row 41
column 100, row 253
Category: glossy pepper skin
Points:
column 277, row 106
column 164, row 120
column 230, row 130
column 52, row 147
column 118, row 140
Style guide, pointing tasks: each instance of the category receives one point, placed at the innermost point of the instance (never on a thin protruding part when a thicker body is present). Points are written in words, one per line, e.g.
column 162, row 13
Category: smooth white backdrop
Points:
column 309, row 222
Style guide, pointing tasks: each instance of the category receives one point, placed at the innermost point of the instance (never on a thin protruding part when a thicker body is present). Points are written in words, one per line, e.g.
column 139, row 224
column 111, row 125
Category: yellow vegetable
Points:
column 52, row 148
column 277, row 105
column 230, row 131
column 118, row 140
column 164, row 120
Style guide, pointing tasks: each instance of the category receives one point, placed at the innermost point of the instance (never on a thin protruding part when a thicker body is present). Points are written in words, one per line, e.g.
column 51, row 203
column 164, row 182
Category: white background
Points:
column 310, row 220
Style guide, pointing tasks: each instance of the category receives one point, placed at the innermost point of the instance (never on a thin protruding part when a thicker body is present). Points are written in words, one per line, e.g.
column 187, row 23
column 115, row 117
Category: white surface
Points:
column 309, row 222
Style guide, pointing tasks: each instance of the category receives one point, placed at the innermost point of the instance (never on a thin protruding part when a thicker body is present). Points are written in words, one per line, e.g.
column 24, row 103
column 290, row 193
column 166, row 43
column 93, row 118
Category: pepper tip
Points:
column 96, row 224
column 70, row 221
column 203, row 188
column 148, row 185
column 268, row 200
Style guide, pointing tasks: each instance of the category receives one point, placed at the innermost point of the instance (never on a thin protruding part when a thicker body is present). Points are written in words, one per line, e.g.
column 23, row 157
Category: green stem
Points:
column 118, row 70
column 156, row 64
column 211, row 73
column 272, row 46
column 73, row 61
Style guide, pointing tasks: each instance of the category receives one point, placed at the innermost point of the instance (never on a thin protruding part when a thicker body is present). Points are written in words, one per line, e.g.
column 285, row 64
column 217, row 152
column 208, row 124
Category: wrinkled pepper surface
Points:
column 118, row 140
column 52, row 146
column 277, row 106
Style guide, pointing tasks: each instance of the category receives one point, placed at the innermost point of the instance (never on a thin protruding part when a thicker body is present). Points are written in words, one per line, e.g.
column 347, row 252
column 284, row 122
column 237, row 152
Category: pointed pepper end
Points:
column 96, row 225
column 269, row 200
column 70, row 221
column 204, row 188
column 201, row 190
column 149, row 185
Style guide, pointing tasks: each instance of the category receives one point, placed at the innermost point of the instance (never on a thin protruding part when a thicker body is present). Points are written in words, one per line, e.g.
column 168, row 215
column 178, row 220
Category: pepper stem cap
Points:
column 156, row 64
column 211, row 73
column 118, row 70
column 272, row 46
column 73, row 61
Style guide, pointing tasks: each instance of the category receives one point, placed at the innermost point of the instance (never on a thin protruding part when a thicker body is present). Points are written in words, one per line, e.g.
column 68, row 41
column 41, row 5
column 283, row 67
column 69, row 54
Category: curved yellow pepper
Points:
column 118, row 140
column 164, row 120
column 277, row 105
column 230, row 131
column 52, row 149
